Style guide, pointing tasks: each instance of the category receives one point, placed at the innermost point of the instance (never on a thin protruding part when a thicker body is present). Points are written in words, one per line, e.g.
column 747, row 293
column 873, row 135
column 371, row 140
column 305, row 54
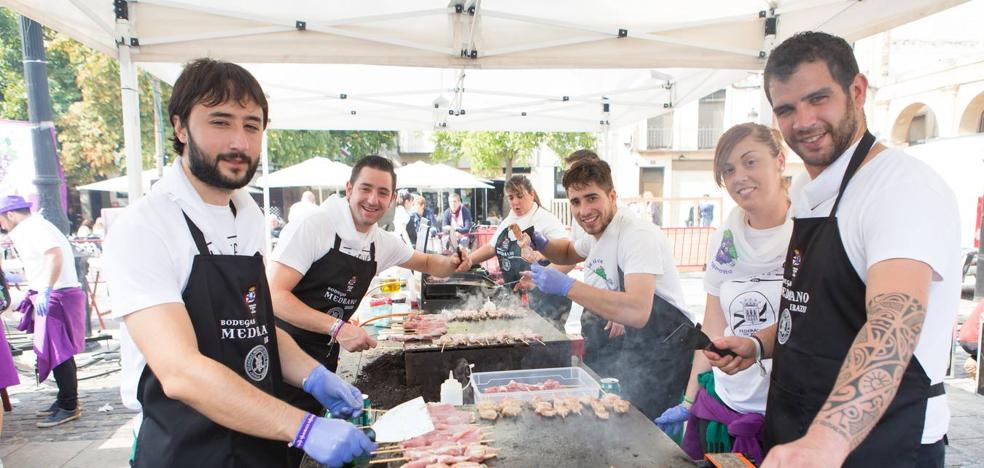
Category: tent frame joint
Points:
column 121, row 9
column 300, row 25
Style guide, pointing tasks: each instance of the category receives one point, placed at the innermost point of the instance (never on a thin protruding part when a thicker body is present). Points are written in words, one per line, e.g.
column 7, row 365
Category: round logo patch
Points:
column 257, row 363
column 336, row 312
column 785, row 326
column 506, row 265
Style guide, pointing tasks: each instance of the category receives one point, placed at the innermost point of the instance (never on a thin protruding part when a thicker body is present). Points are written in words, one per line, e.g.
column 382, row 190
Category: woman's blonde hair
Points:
column 770, row 137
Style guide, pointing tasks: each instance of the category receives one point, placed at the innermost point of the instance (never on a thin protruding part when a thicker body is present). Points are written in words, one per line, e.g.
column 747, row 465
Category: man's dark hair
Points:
column 808, row 47
column 587, row 171
column 580, row 155
column 376, row 162
column 211, row 82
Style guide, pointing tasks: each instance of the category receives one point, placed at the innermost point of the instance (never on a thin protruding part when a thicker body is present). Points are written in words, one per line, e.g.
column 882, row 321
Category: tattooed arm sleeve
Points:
column 897, row 292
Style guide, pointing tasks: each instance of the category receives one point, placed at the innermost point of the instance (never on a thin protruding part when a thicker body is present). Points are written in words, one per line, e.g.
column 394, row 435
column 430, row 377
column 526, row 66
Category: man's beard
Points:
column 842, row 138
column 208, row 171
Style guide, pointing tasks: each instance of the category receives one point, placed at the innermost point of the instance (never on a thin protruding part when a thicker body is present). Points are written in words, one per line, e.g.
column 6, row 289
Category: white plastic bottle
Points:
column 451, row 391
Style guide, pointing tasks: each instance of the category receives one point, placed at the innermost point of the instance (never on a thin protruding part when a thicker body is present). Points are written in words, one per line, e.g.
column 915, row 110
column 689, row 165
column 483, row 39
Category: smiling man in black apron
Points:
column 323, row 265
column 201, row 354
column 871, row 281
column 629, row 279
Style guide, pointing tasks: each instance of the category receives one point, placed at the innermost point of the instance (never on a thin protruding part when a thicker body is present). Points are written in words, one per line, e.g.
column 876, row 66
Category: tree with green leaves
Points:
column 289, row 147
column 490, row 152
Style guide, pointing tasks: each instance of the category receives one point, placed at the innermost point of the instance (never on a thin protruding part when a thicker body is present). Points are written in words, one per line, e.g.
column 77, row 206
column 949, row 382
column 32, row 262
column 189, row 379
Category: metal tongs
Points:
column 695, row 338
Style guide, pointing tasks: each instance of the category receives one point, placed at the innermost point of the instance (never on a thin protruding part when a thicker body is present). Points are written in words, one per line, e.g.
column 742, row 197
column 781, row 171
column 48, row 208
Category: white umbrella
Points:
column 120, row 184
column 424, row 176
column 315, row 172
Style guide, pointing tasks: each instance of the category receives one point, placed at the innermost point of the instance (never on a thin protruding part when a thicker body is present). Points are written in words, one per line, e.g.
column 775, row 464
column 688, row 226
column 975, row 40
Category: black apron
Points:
column 652, row 371
column 510, row 256
column 228, row 302
column 335, row 284
column 823, row 309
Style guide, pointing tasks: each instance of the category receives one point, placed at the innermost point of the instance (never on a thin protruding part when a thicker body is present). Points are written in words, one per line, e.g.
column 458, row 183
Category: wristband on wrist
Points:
column 688, row 400
column 334, row 327
column 303, row 431
column 334, row 333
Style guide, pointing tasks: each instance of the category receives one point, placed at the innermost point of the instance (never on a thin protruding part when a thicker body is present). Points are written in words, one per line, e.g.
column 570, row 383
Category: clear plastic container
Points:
column 574, row 381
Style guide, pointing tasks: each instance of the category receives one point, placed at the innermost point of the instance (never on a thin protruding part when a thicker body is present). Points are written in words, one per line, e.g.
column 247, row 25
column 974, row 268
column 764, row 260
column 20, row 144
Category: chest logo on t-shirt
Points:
column 351, row 284
column 249, row 298
column 727, row 254
column 596, row 267
column 750, row 312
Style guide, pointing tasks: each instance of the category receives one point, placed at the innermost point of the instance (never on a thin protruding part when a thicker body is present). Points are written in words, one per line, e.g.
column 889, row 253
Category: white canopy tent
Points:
column 468, row 44
column 314, row 172
column 424, row 176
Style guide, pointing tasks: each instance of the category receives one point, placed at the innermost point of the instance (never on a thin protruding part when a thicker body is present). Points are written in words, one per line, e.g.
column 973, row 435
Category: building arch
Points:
column 972, row 119
column 915, row 124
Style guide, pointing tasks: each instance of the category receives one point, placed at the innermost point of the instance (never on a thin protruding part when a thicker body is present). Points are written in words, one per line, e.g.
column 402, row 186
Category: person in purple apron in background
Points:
column 8, row 372
column 201, row 354
column 871, row 281
column 54, row 309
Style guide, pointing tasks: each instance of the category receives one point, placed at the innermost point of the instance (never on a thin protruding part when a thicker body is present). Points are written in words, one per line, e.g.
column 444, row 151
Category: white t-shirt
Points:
column 400, row 220
column 634, row 246
column 542, row 220
column 149, row 252
column 898, row 207
column 300, row 210
column 32, row 238
column 303, row 243
column 745, row 272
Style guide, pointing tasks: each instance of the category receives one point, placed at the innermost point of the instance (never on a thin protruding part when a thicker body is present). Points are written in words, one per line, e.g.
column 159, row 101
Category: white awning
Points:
column 500, row 34
column 549, row 65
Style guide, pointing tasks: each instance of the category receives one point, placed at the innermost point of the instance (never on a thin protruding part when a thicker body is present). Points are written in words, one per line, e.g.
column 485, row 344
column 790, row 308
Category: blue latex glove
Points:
column 41, row 302
column 671, row 421
column 334, row 442
column 539, row 241
column 342, row 399
column 551, row 281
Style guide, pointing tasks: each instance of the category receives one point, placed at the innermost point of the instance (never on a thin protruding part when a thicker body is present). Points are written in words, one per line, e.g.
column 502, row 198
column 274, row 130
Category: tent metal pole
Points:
column 265, row 161
column 131, row 110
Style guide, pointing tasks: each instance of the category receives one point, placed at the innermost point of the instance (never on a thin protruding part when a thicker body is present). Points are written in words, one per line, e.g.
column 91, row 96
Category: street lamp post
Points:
column 42, row 124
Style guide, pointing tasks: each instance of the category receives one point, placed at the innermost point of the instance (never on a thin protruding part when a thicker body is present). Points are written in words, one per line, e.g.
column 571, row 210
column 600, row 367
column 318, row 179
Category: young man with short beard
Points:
column 629, row 280
column 323, row 265
column 201, row 355
column 871, row 282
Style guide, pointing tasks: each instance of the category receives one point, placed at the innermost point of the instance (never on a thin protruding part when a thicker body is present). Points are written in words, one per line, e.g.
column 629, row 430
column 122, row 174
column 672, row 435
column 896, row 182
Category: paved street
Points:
column 103, row 438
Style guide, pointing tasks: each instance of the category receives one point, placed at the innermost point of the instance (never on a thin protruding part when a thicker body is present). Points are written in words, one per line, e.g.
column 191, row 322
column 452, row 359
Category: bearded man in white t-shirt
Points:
column 871, row 282
column 629, row 279
column 201, row 355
